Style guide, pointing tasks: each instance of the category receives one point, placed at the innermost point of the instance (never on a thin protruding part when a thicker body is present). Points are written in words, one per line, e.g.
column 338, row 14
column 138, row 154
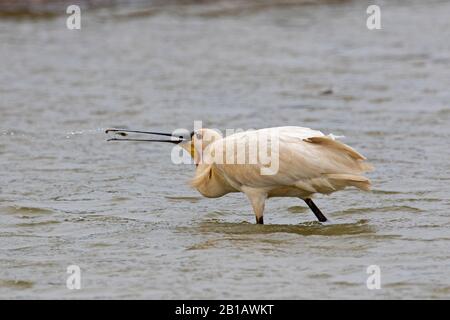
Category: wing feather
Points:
column 308, row 160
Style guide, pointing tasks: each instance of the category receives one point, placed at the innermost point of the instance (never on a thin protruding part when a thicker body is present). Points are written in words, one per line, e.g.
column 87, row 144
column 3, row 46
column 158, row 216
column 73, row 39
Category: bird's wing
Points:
column 288, row 133
column 306, row 158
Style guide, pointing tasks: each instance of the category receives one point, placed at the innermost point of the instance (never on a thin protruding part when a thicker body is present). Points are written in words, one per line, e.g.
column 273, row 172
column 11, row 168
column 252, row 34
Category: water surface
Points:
column 126, row 215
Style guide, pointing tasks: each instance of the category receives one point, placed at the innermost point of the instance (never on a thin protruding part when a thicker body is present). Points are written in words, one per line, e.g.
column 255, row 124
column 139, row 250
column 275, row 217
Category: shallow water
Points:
column 126, row 215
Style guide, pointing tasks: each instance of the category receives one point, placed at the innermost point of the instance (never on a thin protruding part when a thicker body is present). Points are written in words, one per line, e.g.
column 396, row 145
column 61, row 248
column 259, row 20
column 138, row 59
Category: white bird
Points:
column 307, row 162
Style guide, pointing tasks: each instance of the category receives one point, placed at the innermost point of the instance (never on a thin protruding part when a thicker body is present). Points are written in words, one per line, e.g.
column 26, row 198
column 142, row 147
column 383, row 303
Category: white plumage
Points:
column 309, row 163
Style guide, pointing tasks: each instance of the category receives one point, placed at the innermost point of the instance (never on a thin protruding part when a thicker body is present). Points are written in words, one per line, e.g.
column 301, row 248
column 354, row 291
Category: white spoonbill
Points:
column 307, row 162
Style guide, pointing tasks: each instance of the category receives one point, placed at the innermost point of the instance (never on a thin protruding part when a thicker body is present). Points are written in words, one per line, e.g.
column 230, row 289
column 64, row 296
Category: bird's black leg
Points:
column 316, row 210
column 260, row 220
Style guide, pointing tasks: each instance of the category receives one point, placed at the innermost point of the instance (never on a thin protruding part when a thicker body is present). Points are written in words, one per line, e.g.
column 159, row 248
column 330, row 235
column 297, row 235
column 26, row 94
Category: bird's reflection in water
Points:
column 305, row 229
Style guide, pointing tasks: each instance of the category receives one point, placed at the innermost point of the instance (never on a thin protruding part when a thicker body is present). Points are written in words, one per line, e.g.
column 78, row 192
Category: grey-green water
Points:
column 126, row 215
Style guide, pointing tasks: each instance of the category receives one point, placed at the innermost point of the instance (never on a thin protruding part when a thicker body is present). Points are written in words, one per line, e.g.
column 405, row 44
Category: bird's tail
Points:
column 341, row 180
column 354, row 159
column 349, row 164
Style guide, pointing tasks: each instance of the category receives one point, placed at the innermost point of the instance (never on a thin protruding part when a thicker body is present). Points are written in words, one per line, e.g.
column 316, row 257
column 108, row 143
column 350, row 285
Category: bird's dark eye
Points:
column 198, row 135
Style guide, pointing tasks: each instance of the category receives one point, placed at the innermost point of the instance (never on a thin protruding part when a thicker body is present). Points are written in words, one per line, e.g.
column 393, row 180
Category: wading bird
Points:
column 308, row 162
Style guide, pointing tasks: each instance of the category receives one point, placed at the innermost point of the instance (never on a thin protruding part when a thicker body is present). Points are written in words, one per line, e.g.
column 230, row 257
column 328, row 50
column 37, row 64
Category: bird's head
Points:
column 199, row 140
